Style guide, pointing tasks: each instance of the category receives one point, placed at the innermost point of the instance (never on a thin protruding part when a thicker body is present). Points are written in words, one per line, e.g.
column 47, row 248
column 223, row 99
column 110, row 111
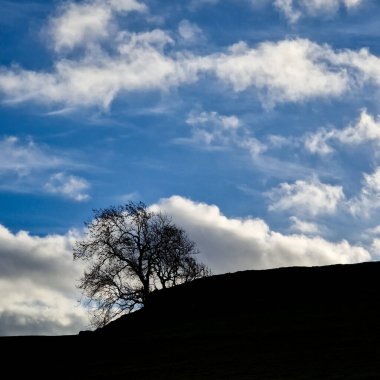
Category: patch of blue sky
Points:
column 131, row 146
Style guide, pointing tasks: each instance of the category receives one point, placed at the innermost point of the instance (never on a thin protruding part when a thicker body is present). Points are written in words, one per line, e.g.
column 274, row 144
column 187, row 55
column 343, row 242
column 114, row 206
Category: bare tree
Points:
column 131, row 251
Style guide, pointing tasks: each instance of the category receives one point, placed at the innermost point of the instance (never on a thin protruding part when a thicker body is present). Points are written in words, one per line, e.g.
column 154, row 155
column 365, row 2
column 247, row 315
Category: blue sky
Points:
column 254, row 123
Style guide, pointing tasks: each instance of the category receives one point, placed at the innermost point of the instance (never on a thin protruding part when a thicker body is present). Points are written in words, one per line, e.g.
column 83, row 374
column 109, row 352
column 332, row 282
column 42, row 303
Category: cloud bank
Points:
column 38, row 292
column 38, row 276
column 232, row 244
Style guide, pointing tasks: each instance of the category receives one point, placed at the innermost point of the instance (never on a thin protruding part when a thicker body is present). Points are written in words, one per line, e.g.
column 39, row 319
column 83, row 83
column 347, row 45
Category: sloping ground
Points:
column 290, row 323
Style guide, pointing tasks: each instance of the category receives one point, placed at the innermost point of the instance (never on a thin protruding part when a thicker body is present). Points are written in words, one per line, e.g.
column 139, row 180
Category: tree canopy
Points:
column 131, row 251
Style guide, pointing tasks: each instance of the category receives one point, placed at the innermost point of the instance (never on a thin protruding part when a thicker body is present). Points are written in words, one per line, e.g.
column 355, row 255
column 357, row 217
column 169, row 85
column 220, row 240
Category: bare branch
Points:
column 131, row 251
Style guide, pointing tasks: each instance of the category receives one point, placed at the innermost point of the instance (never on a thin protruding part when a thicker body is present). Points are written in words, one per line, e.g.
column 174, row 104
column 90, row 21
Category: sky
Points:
column 254, row 124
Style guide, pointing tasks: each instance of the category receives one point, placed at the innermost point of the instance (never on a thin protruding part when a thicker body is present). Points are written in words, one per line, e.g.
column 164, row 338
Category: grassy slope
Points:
column 291, row 323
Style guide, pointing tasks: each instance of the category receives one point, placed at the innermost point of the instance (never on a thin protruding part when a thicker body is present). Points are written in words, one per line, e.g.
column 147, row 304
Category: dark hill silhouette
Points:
column 289, row 323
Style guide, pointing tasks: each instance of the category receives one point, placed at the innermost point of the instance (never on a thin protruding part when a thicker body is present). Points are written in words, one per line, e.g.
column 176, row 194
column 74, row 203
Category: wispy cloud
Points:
column 24, row 157
column 213, row 131
column 28, row 167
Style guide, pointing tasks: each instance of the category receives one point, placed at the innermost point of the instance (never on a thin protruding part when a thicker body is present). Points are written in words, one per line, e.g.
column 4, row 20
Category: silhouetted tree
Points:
column 131, row 251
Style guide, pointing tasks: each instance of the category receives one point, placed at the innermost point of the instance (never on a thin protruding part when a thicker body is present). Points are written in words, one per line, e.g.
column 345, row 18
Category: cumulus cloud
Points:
column 366, row 64
column 98, row 78
column 369, row 198
column 304, row 227
column 293, row 10
column 313, row 198
column 38, row 293
column 288, row 70
column 87, row 22
column 317, row 143
column 375, row 248
column 69, row 186
column 287, row 8
column 231, row 244
column 189, row 32
column 306, row 197
column 366, row 129
column 291, row 70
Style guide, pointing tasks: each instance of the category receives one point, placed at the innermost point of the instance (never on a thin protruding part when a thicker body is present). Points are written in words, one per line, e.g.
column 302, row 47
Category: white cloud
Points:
column 90, row 21
column 304, row 227
column 98, row 78
column 369, row 198
column 329, row 6
column 288, row 70
column 317, row 143
column 213, row 131
column 68, row 186
column 155, row 39
column 373, row 231
column 375, row 248
column 287, row 8
column 133, row 5
column 254, row 146
column 26, row 167
column 189, row 31
column 38, row 293
column 80, row 22
column 313, row 198
column 207, row 118
column 231, row 244
column 306, row 197
column 365, row 129
column 23, row 158
column 293, row 10
column 277, row 141
column 285, row 71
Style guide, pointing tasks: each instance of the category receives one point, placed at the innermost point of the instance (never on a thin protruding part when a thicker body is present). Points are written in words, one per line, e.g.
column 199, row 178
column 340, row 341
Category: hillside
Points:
column 289, row 323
